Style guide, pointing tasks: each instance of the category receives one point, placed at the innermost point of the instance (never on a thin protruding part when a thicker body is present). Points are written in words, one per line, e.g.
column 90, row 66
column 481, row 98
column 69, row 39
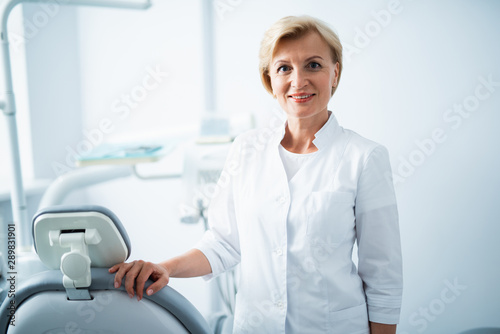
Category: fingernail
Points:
column 116, row 285
column 150, row 292
column 131, row 295
column 138, row 298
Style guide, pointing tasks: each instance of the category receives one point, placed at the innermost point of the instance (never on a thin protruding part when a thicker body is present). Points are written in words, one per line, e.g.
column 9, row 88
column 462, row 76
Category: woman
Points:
column 290, row 204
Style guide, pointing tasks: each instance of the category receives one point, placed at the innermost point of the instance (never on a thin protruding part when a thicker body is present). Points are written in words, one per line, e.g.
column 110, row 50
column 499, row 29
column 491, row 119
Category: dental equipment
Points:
column 8, row 106
column 77, row 244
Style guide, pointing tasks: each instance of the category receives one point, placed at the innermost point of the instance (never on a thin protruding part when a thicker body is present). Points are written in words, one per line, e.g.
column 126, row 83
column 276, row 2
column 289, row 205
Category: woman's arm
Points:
column 376, row 328
column 220, row 244
column 377, row 233
column 191, row 264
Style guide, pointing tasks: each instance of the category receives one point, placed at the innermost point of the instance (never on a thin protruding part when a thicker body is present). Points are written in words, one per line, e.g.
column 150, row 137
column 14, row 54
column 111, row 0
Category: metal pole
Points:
column 125, row 4
column 208, row 55
column 17, row 198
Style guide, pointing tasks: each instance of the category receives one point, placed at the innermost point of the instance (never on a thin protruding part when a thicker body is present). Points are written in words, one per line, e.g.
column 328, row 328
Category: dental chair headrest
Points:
column 104, row 235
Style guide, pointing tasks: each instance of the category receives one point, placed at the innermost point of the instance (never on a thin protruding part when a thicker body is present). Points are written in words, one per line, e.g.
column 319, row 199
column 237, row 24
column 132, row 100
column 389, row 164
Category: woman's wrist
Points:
column 193, row 263
column 377, row 328
column 169, row 266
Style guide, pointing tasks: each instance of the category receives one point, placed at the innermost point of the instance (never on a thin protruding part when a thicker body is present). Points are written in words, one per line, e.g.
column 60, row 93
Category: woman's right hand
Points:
column 138, row 272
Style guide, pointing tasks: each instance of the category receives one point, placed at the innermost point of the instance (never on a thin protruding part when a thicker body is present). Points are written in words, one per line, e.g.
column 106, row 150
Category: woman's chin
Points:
column 303, row 113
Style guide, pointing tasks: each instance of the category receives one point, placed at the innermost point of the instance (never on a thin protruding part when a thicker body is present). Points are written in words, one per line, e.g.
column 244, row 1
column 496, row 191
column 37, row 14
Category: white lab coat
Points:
column 295, row 239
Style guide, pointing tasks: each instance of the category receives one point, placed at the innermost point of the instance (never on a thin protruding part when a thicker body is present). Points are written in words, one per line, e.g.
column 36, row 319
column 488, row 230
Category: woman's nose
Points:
column 299, row 79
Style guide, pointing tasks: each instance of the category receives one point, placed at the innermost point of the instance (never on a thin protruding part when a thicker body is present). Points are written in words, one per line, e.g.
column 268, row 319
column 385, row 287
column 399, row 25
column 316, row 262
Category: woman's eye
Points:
column 314, row 65
column 284, row 68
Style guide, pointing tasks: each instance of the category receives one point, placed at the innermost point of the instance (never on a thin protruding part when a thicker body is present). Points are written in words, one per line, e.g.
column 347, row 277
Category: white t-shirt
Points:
column 293, row 161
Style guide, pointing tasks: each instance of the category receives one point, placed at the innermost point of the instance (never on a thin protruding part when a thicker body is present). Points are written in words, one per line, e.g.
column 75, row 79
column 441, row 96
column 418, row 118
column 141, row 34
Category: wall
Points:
column 53, row 67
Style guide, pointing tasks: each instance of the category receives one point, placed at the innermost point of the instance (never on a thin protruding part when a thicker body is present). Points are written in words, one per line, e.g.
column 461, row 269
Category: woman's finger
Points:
column 146, row 271
column 119, row 275
column 119, row 269
column 121, row 272
column 157, row 286
column 115, row 267
column 131, row 275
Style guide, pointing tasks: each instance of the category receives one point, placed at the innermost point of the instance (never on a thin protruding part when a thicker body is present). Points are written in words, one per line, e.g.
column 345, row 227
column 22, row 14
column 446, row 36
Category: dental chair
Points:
column 76, row 294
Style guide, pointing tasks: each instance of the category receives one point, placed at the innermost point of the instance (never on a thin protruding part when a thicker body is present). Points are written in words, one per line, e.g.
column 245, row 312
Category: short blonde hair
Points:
column 295, row 27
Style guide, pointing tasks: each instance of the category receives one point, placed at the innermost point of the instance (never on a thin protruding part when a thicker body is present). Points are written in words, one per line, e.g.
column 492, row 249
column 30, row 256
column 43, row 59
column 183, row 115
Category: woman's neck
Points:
column 300, row 133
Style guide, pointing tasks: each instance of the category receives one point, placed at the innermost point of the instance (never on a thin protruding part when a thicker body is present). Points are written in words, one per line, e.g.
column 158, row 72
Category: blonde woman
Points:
column 290, row 209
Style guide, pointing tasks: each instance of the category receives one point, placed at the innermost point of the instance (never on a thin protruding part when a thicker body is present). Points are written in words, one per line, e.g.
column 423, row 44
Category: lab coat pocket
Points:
column 350, row 320
column 330, row 215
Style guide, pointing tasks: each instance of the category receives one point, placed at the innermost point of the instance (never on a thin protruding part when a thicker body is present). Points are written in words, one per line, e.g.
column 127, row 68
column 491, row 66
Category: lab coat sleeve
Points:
column 220, row 244
column 377, row 231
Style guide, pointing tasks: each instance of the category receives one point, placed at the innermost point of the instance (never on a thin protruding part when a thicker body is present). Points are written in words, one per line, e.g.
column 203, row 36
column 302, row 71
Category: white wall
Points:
column 397, row 88
column 122, row 48
column 54, row 85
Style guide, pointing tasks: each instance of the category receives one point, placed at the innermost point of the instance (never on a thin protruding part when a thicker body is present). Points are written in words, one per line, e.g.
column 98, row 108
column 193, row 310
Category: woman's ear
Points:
column 336, row 74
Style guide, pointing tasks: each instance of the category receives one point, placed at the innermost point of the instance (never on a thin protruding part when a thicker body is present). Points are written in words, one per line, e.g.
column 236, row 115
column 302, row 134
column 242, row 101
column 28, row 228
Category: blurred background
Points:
column 420, row 77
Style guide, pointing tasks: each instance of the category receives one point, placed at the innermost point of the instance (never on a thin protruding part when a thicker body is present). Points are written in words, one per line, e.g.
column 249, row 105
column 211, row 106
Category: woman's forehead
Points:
column 303, row 47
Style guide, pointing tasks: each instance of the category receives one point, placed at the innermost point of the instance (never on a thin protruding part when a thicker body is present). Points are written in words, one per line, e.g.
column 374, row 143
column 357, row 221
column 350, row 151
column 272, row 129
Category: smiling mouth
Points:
column 301, row 97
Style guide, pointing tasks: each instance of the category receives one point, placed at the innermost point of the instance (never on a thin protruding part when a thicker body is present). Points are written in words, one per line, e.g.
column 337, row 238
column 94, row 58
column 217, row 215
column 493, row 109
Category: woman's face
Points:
column 302, row 75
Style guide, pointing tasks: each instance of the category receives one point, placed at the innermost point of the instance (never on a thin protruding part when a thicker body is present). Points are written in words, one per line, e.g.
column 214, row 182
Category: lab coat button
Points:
column 282, row 200
column 279, row 305
column 279, row 252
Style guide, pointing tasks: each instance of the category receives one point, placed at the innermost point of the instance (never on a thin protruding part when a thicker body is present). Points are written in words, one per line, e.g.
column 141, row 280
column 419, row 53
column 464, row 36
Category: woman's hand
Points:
column 376, row 328
column 138, row 272
column 193, row 263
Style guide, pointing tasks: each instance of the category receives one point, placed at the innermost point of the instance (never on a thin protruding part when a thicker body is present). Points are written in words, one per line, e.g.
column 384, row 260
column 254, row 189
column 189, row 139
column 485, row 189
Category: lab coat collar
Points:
column 323, row 138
